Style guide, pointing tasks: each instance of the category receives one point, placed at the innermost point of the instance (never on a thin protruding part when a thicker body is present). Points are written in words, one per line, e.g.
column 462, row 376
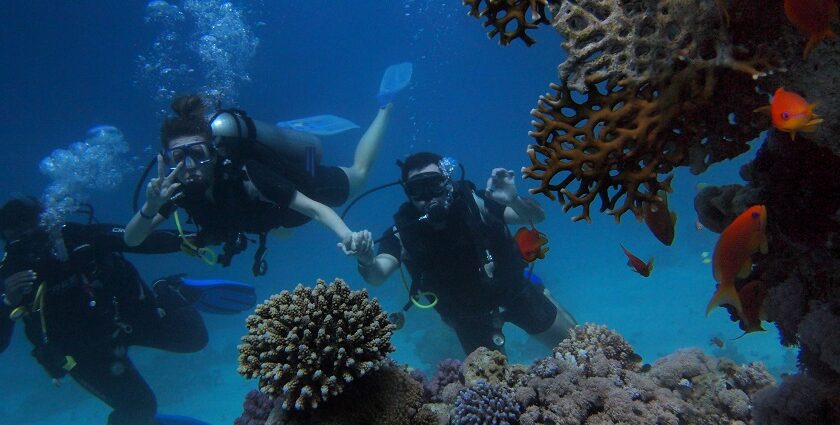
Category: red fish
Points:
column 637, row 264
column 733, row 255
column 531, row 242
column 791, row 113
column 753, row 296
column 813, row 19
column 660, row 220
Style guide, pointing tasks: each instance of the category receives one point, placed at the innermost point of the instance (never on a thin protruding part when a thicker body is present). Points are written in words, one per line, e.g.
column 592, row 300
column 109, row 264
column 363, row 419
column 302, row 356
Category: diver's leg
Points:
column 112, row 377
column 539, row 314
column 181, row 328
column 367, row 150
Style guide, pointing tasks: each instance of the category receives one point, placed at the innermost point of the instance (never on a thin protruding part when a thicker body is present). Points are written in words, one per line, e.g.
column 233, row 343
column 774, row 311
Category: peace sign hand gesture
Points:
column 162, row 187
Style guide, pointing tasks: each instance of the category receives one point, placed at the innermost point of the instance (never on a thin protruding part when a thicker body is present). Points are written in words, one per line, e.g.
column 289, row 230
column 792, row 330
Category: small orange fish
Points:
column 813, row 19
column 733, row 255
column 753, row 296
column 660, row 220
column 531, row 243
column 717, row 342
column 791, row 113
column 637, row 265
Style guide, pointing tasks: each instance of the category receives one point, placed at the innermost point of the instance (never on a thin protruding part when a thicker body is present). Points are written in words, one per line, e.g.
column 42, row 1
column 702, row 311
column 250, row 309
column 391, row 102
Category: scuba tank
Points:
column 299, row 147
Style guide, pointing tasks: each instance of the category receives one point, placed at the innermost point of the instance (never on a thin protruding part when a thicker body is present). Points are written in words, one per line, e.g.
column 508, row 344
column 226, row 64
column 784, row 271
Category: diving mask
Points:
column 426, row 186
column 191, row 154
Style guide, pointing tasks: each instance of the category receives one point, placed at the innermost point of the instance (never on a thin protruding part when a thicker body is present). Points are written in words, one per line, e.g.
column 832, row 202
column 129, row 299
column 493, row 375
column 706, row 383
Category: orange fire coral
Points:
column 617, row 140
column 500, row 13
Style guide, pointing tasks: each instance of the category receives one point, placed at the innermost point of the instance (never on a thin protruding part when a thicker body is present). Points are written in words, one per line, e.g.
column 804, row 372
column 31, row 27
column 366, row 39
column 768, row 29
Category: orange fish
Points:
column 733, row 255
column 660, row 220
column 531, row 243
column 791, row 113
column 813, row 19
column 637, row 264
column 753, row 296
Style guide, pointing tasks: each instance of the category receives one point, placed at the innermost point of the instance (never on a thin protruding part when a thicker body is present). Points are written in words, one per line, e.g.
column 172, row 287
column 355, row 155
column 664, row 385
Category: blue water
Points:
column 70, row 66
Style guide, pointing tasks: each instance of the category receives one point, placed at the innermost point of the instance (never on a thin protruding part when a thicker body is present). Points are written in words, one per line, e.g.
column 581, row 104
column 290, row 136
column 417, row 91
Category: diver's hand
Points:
column 364, row 248
column 500, row 186
column 356, row 243
column 162, row 187
column 18, row 285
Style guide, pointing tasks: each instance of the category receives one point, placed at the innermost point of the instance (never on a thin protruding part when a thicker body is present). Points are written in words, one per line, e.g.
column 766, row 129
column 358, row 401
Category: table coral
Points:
column 307, row 345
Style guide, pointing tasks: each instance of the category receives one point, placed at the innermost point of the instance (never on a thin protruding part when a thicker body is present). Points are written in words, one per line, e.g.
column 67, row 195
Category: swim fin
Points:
column 319, row 125
column 162, row 419
column 395, row 79
column 218, row 296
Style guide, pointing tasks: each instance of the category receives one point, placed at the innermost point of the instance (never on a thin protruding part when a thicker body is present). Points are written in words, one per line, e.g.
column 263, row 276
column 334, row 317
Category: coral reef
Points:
column 486, row 404
column 593, row 377
column 387, row 396
column 501, row 14
column 256, row 408
column 307, row 345
column 448, row 372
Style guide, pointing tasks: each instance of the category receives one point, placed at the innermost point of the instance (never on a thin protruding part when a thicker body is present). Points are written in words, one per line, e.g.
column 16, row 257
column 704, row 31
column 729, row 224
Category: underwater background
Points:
column 72, row 66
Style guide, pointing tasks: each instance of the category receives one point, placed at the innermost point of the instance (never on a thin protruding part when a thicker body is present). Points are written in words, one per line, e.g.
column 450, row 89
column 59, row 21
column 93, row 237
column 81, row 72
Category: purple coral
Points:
column 448, row 372
column 485, row 404
column 256, row 409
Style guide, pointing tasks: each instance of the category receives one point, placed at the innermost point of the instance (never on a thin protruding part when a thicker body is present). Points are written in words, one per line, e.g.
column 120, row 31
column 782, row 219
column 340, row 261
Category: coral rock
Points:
column 501, row 14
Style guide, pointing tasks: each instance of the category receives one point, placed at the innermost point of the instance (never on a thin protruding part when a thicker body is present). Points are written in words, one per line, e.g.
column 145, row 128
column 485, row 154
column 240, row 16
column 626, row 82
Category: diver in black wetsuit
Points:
column 83, row 304
column 234, row 176
column 456, row 245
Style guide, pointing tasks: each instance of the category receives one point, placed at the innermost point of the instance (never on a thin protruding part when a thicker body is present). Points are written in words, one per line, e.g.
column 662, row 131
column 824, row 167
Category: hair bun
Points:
column 187, row 107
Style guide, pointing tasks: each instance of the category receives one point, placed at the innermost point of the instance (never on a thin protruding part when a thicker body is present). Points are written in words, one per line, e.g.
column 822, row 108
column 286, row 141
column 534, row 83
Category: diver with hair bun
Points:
column 234, row 175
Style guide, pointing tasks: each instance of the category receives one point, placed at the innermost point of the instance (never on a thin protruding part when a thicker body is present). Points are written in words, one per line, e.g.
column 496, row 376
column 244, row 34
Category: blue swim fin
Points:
column 218, row 296
column 395, row 79
column 162, row 419
column 319, row 125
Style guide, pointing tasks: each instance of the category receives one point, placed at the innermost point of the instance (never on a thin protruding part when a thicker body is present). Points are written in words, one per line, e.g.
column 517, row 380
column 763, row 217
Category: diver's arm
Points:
column 158, row 192
column 502, row 189
column 524, row 211
column 379, row 269
column 375, row 269
column 320, row 213
column 110, row 237
column 140, row 226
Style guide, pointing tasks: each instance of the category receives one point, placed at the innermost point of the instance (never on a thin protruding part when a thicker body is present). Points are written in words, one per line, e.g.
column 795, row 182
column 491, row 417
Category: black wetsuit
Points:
column 94, row 306
column 235, row 211
column 450, row 263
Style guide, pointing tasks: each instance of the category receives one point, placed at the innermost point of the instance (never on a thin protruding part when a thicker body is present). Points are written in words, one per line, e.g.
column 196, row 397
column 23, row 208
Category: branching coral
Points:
column 486, row 404
column 387, row 396
column 309, row 344
column 500, row 14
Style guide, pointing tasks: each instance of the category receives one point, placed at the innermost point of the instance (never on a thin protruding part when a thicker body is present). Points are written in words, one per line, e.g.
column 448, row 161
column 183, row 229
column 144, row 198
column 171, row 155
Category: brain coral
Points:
column 308, row 344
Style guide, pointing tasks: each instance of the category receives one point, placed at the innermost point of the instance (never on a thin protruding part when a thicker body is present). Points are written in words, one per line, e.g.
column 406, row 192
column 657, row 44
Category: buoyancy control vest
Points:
column 471, row 264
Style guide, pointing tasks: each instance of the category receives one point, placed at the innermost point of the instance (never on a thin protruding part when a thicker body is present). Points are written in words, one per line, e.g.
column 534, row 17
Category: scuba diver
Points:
column 461, row 256
column 235, row 175
column 83, row 304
